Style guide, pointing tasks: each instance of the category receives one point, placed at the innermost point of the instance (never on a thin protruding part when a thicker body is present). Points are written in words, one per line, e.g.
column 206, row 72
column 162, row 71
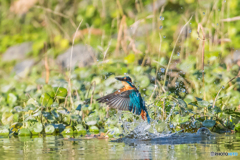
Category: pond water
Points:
column 178, row 147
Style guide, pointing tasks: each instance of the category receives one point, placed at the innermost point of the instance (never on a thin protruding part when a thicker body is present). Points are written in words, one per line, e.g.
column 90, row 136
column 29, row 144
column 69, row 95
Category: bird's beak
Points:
column 120, row 78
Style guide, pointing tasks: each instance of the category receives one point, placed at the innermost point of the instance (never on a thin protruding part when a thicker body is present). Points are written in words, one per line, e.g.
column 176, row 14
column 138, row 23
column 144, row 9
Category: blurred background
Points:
column 77, row 42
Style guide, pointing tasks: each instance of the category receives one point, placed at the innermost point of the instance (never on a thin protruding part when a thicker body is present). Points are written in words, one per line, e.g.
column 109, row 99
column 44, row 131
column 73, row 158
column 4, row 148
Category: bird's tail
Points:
column 148, row 118
column 145, row 115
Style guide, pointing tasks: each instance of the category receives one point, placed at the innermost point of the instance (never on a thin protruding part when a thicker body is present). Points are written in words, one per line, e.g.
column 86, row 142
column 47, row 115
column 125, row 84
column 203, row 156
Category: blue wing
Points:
column 136, row 102
column 129, row 100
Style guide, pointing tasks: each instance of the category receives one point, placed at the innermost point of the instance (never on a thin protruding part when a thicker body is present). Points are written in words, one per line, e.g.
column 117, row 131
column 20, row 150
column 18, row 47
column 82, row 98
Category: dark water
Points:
column 173, row 147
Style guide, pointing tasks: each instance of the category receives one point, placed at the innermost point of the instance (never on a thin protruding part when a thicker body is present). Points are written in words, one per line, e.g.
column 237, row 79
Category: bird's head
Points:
column 124, row 79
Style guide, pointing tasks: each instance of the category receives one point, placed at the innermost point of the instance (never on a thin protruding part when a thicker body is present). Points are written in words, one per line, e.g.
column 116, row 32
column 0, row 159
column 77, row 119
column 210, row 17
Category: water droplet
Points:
column 203, row 13
column 162, row 70
column 176, row 83
column 223, row 87
column 160, row 27
column 217, row 24
column 178, row 53
column 190, row 31
column 164, row 36
column 183, row 90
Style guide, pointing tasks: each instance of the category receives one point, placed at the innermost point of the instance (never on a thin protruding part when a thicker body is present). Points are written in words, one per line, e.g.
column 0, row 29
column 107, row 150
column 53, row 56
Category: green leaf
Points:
column 4, row 132
column 129, row 58
column 94, row 129
column 143, row 81
column 11, row 98
column 33, row 102
column 49, row 129
column 68, row 130
column 178, row 119
column 237, row 127
column 193, row 104
column 60, row 92
column 7, row 118
column 80, row 129
column 24, row 132
column 29, row 107
column 209, row 123
column 182, row 103
column 36, row 128
column 49, row 90
column 46, row 100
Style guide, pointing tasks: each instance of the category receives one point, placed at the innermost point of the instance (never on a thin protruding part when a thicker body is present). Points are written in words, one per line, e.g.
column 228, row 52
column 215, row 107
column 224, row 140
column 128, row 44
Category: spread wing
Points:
column 129, row 100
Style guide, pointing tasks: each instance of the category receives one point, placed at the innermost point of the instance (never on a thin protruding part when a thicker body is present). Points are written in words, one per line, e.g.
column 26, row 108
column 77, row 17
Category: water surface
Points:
column 178, row 147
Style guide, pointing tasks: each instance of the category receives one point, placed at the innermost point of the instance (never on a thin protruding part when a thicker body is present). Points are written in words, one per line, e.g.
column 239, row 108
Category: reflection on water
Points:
column 58, row 147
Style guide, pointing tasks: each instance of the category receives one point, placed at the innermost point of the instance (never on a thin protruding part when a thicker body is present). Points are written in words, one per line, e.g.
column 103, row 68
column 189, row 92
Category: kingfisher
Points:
column 127, row 98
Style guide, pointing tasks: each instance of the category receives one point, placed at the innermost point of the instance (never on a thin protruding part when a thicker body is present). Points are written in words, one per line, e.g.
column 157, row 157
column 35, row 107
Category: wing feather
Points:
column 129, row 100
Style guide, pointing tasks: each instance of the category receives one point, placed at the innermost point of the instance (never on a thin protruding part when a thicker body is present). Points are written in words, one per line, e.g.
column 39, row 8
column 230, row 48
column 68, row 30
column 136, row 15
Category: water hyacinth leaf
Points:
column 33, row 102
column 30, row 118
column 209, row 123
column 203, row 103
column 49, row 129
column 29, row 107
column 18, row 109
column 196, row 124
column 75, row 117
column 4, row 132
column 80, row 129
column 63, row 111
column 11, row 98
column 181, row 102
column 178, row 119
column 198, row 99
column 86, row 101
column 67, row 119
column 24, row 132
column 130, row 58
column 59, row 127
column 7, row 118
column 79, row 107
column 60, row 92
column 46, row 100
column 94, row 129
column 15, row 117
column 68, row 130
column 46, row 114
column 143, row 81
column 55, row 114
column 36, row 128
column 114, row 132
column 216, row 110
column 48, row 89
column 194, row 104
column 36, row 113
column 90, row 123
column 237, row 127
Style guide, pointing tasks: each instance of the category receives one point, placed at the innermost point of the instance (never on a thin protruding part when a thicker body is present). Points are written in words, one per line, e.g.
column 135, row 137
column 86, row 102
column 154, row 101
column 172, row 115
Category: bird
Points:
column 127, row 98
